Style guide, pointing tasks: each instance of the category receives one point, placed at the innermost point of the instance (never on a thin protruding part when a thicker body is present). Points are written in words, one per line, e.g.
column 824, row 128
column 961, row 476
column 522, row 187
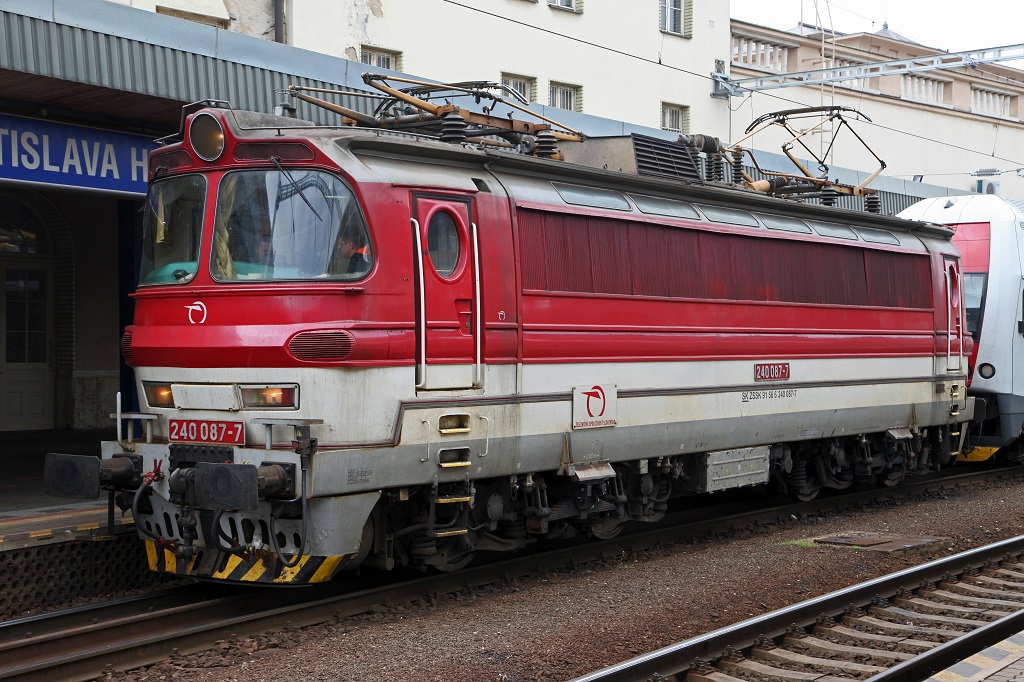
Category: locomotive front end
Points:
column 251, row 253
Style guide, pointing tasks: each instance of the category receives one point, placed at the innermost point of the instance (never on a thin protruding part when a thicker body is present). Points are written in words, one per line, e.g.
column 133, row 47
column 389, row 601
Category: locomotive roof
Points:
column 414, row 148
column 339, row 141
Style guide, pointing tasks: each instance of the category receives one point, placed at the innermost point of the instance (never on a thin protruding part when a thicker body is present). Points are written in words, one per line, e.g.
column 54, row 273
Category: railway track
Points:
column 84, row 642
column 902, row 627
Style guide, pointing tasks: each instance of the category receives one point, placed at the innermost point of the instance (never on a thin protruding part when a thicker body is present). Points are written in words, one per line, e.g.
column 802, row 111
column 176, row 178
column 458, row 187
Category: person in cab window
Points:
column 352, row 247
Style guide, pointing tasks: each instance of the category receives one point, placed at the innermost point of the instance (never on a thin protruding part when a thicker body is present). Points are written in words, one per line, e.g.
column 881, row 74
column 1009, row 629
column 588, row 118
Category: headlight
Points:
column 986, row 370
column 207, row 137
column 158, row 395
column 282, row 396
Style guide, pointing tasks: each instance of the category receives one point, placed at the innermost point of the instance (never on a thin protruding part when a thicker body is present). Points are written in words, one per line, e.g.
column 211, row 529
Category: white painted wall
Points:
column 451, row 41
column 627, row 67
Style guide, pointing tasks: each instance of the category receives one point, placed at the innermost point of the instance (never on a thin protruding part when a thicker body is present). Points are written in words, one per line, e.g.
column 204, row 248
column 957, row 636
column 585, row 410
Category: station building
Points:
column 86, row 86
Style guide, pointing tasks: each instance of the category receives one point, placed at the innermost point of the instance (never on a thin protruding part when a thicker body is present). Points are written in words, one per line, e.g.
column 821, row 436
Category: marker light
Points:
column 207, row 137
column 158, row 395
column 270, row 396
column 986, row 370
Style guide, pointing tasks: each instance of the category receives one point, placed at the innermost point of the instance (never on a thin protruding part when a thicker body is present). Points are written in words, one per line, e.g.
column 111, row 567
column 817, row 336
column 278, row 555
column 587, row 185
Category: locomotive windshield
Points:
column 288, row 224
column 974, row 300
column 172, row 227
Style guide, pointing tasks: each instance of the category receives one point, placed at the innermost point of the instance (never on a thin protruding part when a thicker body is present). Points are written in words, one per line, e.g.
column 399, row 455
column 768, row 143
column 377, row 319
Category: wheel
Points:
column 452, row 555
column 891, row 478
column 808, row 492
column 607, row 529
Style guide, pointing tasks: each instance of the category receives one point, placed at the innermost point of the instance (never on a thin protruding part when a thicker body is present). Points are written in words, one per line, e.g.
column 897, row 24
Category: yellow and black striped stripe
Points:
column 978, row 454
column 310, row 569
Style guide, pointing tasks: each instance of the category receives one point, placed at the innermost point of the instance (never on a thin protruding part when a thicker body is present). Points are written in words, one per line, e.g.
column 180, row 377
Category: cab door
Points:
column 955, row 317
column 448, row 353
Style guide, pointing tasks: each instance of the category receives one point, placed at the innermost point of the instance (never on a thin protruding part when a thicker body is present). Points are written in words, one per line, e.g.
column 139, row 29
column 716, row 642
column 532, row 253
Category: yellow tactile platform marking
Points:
column 43, row 526
column 995, row 663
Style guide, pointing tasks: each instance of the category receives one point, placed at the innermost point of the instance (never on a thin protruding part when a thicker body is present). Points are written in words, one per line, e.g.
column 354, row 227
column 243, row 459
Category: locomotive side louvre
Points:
column 522, row 347
column 989, row 233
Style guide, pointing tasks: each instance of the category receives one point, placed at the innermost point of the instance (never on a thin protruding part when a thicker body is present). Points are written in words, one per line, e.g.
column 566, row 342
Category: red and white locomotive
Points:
column 414, row 336
column 988, row 235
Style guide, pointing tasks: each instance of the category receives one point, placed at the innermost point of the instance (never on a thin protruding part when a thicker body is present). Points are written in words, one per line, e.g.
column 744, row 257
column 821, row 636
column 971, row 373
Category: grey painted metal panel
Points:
column 69, row 47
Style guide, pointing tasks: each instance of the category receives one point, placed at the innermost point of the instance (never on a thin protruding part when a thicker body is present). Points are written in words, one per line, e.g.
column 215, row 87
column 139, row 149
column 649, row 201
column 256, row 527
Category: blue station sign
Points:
column 33, row 150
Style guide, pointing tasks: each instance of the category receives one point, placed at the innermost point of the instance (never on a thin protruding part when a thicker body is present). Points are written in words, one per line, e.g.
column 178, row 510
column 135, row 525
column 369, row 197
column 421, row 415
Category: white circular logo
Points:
column 196, row 307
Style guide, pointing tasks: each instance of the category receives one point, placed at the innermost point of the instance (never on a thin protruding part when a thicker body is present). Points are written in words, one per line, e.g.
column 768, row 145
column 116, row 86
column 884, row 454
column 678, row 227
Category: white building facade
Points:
column 649, row 63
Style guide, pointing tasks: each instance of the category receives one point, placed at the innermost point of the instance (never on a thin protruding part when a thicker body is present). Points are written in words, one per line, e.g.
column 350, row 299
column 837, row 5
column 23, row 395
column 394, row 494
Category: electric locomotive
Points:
column 431, row 331
column 988, row 235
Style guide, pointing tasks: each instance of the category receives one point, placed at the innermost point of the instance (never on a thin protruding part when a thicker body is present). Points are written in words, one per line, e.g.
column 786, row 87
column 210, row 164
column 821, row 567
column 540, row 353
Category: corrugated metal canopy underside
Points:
column 72, row 73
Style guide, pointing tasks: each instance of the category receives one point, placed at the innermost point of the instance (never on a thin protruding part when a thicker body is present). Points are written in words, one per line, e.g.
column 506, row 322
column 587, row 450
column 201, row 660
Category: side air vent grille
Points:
column 664, row 159
column 126, row 347
column 319, row 346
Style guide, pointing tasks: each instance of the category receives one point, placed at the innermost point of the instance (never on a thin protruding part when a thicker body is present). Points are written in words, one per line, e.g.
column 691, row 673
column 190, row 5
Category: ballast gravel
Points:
column 561, row 624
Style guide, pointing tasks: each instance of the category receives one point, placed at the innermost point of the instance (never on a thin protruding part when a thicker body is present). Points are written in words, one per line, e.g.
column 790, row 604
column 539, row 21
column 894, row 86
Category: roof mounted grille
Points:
column 664, row 159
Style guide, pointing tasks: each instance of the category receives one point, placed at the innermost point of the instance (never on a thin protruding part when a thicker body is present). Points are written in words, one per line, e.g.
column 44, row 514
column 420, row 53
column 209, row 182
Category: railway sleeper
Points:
column 886, row 626
column 1006, row 574
column 967, row 587
column 753, row 669
column 1015, row 569
column 834, row 651
column 801, row 661
column 937, row 607
column 913, row 617
column 952, row 599
column 711, row 676
column 985, row 579
column 840, row 634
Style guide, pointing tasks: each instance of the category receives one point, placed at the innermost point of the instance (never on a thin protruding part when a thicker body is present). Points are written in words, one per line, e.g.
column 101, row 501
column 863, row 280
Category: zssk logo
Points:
column 595, row 401
column 196, row 310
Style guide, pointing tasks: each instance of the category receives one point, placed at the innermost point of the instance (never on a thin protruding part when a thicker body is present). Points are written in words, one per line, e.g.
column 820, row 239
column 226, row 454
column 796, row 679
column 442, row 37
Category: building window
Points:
column 675, row 117
column 565, row 96
column 992, row 103
column 574, row 5
column 524, row 85
column 677, row 17
column 382, row 59
column 760, row 53
column 924, row 89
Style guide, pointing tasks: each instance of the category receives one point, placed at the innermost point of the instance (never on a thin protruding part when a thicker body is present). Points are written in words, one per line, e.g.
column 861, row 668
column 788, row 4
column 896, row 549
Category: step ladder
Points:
column 455, row 501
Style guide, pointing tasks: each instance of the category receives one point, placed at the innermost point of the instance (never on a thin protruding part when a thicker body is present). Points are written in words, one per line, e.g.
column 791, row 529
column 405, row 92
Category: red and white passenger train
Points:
column 381, row 344
column 990, row 237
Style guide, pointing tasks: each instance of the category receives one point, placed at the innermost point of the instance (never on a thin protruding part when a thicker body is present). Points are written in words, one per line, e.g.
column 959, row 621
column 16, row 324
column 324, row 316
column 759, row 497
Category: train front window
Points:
column 171, row 228
column 288, row 224
column 975, row 284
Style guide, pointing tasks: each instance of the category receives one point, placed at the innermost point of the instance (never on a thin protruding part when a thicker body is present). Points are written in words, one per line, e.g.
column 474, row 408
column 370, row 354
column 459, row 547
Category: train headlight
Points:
column 207, row 137
column 986, row 371
column 158, row 395
column 280, row 396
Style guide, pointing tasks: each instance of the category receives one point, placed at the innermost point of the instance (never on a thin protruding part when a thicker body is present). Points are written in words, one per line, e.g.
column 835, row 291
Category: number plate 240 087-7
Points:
column 200, row 431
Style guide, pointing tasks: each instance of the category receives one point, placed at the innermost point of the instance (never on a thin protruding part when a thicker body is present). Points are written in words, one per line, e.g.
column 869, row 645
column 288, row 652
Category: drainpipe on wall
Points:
column 279, row 36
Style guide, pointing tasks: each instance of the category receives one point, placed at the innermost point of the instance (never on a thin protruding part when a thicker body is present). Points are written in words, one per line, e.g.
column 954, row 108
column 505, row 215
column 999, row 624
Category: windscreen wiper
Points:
column 295, row 186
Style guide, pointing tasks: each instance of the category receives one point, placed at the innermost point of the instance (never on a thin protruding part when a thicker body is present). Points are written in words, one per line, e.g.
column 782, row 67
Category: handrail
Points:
column 421, row 367
column 478, row 378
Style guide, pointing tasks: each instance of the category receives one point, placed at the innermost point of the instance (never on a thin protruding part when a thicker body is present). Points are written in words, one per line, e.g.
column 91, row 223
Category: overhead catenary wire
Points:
column 662, row 64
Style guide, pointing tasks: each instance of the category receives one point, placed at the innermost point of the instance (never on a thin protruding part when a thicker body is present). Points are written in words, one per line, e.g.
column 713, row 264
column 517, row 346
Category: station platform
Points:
column 1003, row 662
column 28, row 516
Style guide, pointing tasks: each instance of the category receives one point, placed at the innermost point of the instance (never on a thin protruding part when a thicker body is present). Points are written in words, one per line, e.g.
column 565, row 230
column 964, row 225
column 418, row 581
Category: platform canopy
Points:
column 102, row 63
